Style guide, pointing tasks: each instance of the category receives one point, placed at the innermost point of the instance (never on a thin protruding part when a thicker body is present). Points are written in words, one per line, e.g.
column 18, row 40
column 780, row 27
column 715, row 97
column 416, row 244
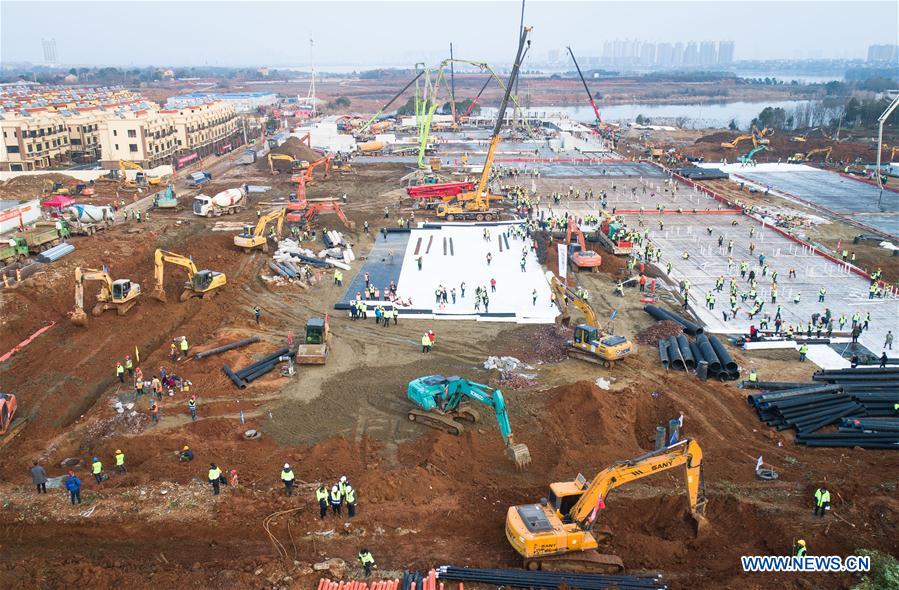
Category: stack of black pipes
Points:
column 519, row 578
column 680, row 353
column 861, row 401
column 252, row 372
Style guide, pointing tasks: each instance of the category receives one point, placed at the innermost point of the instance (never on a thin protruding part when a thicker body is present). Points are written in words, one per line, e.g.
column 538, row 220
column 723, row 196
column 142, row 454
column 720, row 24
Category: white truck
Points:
column 226, row 202
column 89, row 219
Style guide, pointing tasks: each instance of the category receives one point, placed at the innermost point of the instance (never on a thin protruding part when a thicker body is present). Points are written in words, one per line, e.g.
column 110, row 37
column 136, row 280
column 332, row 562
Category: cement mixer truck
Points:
column 226, row 202
column 88, row 219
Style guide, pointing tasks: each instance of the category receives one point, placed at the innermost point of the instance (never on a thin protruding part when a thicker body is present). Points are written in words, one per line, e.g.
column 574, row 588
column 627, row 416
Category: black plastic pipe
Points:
column 234, row 377
column 663, row 314
column 684, row 345
column 266, row 360
column 663, row 353
column 726, row 361
column 708, row 353
column 226, row 347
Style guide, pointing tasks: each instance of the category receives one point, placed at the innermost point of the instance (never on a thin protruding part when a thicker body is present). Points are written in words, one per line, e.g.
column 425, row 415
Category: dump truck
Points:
column 86, row 220
column 13, row 250
column 226, row 202
column 196, row 179
column 43, row 235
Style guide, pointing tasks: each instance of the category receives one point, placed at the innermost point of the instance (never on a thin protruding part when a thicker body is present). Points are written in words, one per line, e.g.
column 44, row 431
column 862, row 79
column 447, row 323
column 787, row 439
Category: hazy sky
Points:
column 370, row 33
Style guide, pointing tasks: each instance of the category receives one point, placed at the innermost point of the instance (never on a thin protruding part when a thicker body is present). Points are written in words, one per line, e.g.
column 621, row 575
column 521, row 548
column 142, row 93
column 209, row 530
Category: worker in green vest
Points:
column 350, row 498
column 120, row 461
column 321, row 495
column 800, row 550
column 288, row 478
column 120, row 372
column 97, row 469
column 336, row 500
column 215, row 475
column 822, row 501
column 129, row 366
column 367, row 561
column 753, row 376
column 184, row 346
column 803, row 350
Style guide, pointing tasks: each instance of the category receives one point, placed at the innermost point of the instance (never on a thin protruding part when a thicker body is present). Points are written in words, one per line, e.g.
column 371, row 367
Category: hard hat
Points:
column 118, row 451
column 801, row 543
column 186, row 448
column 343, row 478
column 71, row 473
column 96, row 459
column 127, row 356
column 287, row 466
column 334, row 489
column 349, row 488
column 234, row 471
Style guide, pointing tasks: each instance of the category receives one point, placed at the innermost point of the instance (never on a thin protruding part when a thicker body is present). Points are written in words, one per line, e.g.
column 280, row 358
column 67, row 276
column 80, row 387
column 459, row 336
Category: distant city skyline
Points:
column 276, row 34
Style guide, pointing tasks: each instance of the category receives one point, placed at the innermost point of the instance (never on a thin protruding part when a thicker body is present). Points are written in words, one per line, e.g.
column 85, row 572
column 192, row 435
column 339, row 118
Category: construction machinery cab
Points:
column 7, row 411
column 120, row 289
column 315, row 331
column 202, row 279
column 584, row 334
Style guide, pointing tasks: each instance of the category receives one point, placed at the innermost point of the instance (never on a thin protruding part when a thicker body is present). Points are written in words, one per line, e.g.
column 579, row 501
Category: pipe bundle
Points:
column 516, row 578
column 325, row 584
column 861, row 401
column 663, row 314
column 677, row 352
column 55, row 253
column 250, row 373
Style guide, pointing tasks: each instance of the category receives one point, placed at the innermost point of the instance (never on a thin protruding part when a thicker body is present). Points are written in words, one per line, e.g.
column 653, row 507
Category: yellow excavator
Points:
column 253, row 237
column 200, row 283
column 590, row 342
column 120, row 295
column 476, row 204
column 799, row 157
column 294, row 164
column 730, row 145
column 141, row 179
column 558, row 533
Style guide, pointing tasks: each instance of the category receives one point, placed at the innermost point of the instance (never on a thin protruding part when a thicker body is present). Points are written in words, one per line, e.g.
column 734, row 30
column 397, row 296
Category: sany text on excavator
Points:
column 559, row 533
column 442, row 404
column 476, row 205
column 200, row 283
column 254, row 236
column 120, row 295
column 590, row 343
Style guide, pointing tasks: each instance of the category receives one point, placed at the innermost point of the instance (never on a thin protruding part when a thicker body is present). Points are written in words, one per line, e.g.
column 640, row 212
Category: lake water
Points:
column 697, row 115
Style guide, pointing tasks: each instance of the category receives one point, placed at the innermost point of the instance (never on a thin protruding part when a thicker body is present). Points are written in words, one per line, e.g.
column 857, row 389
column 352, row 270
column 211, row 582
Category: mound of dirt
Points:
column 297, row 150
column 720, row 137
column 29, row 187
column 658, row 331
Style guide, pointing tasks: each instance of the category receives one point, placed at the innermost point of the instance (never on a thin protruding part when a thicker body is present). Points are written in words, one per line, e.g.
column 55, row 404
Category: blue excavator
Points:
column 748, row 158
column 443, row 403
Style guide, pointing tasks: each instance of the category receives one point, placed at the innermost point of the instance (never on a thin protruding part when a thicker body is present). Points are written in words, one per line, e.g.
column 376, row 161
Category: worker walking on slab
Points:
column 888, row 340
column 822, row 501
column 288, row 478
column 97, row 469
column 73, row 485
column 336, row 500
column 803, row 350
column 214, row 477
column 120, row 461
column 821, row 293
column 367, row 561
column 321, row 495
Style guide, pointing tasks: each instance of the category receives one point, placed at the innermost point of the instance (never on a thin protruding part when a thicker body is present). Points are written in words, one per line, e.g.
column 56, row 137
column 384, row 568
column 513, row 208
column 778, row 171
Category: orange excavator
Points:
column 301, row 211
column 578, row 254
column 8, row 427
column 325, row 161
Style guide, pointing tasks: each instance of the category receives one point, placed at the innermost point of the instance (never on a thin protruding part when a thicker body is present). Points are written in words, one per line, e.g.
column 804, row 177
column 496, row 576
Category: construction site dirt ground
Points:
column 425, row 498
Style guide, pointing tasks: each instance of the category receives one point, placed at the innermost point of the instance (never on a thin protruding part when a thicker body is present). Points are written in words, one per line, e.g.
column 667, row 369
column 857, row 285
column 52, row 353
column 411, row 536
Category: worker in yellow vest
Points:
column 129, row 366
column 350, row 498
column 753, row 376
column 367, row 561
column 822, row 501
column 215, row 475
column 321, row 495
column 120, row 461
column 120, row 372
column 97, row 469
column 803, row 350
column 184, row 346
column 288, row 478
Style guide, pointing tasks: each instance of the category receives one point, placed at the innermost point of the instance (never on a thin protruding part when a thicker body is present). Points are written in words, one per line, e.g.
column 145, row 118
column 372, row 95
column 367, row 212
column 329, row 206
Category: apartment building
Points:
column 203, row 130
column 84, row 133
column 33, row 139
column 145, row 136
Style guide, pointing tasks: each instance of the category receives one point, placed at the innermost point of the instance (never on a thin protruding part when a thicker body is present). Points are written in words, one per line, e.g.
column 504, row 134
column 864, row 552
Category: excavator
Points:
column 442, row 403
column 120, row 295
column 476, row 205
column 748, row 157
column 590, row 343
column 730, row 145
column 141, row 179
column 578, row 254
column 760, row 137
column 558, row 533
column 253, row 237
column 9, row 427
column 200, row 283
column 310, row 168
column 799, row 157
column 294, row 164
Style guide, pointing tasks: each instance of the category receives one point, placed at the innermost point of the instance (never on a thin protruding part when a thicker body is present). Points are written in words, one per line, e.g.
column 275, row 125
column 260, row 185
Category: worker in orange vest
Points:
column 642, row 283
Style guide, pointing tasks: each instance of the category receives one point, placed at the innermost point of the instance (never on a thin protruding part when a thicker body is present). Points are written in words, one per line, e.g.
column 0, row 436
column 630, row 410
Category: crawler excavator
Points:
column 558, row 533
column 294, row 164
column 200, row 283
column 253, row 237
column 578, row 254
column 120, row 295
column 590, row 342
column 442, row 404
column 476, row 205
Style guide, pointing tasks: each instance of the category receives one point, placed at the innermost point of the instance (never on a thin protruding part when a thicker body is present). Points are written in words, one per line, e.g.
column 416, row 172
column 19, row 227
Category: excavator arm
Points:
column 564, row 296
column 325, row 161
column 159, row 260
column 686, row 453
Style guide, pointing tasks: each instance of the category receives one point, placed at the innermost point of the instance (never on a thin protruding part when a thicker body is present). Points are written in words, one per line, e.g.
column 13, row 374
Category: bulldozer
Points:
column 253, row 237
column 441, row 403
column 590, row 342
column 120, row 295
column 559, row 533
column 316, row 343
column 200, row 283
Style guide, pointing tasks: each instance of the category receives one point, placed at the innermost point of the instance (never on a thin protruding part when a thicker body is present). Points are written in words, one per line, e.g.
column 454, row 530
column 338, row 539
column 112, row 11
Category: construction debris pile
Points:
column 292, row 262
column 860, row 400
column 510, row 376
column 659, row 331
column 516, row 578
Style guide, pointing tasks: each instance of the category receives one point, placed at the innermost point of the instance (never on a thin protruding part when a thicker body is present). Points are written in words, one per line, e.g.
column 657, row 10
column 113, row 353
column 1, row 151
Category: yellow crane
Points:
column 253, row 237
column 200, row 283
column 120, row 295
column 559, row 533
column 476, row 204
column 294, row 164
column 590, row 342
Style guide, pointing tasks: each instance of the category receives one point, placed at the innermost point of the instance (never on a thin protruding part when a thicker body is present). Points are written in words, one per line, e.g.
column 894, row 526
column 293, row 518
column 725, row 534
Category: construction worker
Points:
column 215, row 475
column 257, row 313
column 822, row 501
column 336, row 499
column 341, row 486
column 233, row 479
column 800, row 548
column 888, row 340
column 183, row 346
column 753, row 376
column 173, row 352
column 350, row 498
column 186, row 454
column 821, row 293
column 73, row 484
column 321, row 494
column 129, row 366
column 154, row 411
column 367, row 561
column 192, row 407
column 120, row 372
column 797, row 297
column 39, row 477
column 120, row 461
column 425, row 343
column 288, row 478
column 97, row 469
column 803, row 350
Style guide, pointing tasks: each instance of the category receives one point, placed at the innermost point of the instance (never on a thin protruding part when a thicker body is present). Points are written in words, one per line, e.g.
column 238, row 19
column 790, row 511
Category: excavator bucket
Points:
column 159, row 295
column 79, row 318
column 520, row 454
column 699, row 522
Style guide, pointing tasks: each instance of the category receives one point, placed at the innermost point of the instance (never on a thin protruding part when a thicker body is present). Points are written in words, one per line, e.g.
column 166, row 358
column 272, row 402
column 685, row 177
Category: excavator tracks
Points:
column 439, row 421
column 590, row 358
column 584, row 561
